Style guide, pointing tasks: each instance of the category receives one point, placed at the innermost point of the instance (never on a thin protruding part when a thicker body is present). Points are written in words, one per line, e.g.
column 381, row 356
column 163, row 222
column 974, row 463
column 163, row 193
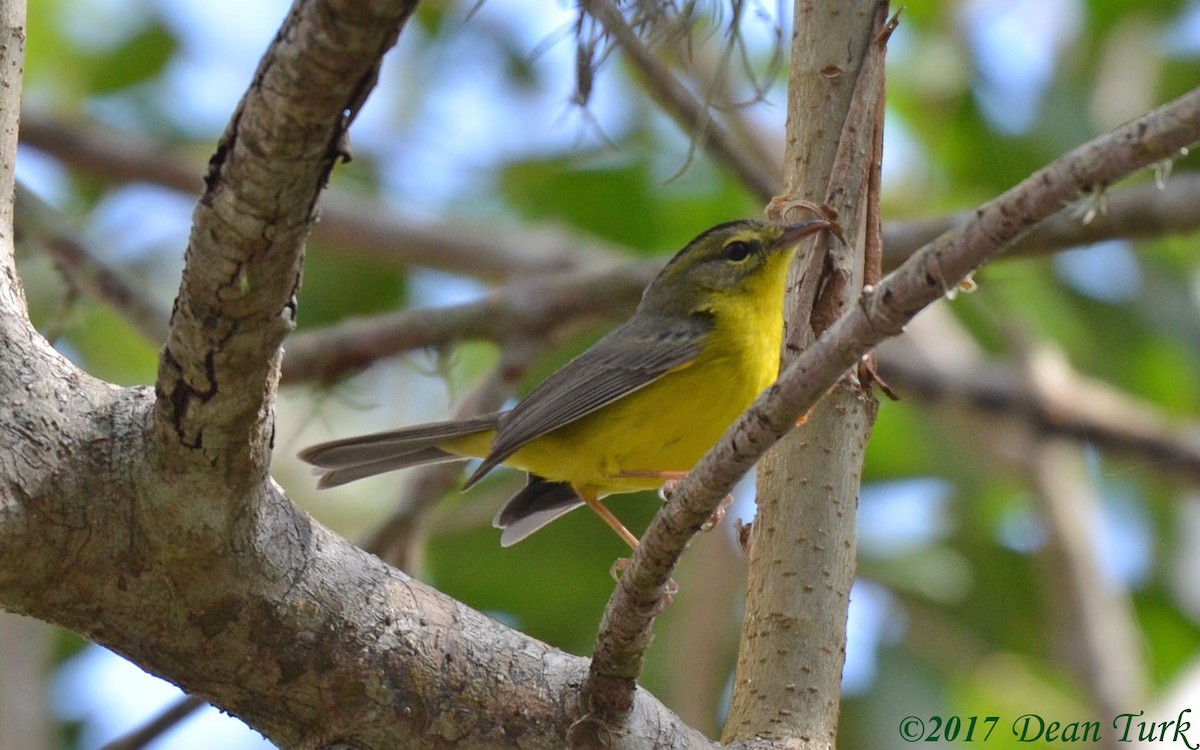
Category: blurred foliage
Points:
column 965, row 630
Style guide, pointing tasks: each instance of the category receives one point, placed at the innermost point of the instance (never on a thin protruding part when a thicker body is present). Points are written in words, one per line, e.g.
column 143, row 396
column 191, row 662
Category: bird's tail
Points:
column 540, row 502
column 350, row 459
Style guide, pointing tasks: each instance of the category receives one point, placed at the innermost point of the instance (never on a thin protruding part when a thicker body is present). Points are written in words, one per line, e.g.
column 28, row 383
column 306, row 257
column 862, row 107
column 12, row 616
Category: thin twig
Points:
column 689, row 112
column 1080, row 408
column 38, row 222
column 925, row 278
column 519, row 310
column 357, row 226
column 147, row 733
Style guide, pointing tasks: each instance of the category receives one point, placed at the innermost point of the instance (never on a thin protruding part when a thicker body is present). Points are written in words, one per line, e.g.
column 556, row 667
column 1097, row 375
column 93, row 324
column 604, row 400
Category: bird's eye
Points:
column 737, row 251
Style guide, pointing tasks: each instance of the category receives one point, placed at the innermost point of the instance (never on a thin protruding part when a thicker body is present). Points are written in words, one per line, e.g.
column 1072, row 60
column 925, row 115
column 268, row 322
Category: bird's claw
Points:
column 717, row 514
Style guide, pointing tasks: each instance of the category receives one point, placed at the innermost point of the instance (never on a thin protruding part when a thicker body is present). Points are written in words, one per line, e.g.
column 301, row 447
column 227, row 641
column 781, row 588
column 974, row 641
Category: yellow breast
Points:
column 664, row 427
column 669, row 424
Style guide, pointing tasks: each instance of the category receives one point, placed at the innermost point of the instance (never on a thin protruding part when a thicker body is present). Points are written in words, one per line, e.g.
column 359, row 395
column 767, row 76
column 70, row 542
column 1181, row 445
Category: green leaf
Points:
column 140, row 58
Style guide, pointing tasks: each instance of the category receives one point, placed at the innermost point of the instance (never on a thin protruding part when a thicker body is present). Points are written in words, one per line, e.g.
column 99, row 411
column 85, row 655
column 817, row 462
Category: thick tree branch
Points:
column 282, row 623
column 236, row 303
column 926, row 277
column 258, row 609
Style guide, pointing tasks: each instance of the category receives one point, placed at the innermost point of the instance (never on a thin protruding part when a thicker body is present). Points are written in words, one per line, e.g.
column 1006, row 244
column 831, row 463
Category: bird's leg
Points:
column 671, row 480
column 606, row 515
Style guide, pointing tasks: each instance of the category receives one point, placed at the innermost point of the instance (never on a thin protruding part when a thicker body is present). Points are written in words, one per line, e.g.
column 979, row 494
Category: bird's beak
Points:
column 793, row 233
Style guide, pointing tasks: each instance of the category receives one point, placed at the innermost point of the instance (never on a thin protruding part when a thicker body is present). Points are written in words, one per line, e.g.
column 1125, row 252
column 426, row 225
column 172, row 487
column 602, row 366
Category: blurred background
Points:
column 1030, row 514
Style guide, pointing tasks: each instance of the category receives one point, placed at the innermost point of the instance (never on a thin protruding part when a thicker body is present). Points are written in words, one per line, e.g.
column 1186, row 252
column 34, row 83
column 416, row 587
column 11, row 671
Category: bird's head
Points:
column 729, row 265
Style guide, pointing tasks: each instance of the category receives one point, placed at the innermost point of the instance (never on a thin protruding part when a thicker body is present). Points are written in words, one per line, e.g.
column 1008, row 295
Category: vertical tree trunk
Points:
column 802, row 543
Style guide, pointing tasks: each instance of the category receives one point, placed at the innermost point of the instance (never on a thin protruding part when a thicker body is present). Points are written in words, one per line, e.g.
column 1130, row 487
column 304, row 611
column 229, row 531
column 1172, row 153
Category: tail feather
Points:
column 349, row 459
column 537, row 504
column 346, row 474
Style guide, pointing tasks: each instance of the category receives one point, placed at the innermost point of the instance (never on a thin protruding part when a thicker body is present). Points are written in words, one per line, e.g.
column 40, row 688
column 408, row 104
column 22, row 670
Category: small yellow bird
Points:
column 639, row 407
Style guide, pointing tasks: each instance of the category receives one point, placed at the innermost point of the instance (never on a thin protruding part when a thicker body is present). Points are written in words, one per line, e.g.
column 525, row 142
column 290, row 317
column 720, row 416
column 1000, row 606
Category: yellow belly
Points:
column 664, row 427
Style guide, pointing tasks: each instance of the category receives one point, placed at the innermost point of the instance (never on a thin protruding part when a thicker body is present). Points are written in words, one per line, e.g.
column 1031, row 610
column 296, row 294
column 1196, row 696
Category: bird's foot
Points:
column 718, row 514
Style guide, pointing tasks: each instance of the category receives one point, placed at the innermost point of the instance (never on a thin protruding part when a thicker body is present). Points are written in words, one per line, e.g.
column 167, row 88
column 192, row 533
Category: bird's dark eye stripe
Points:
column 736, row 251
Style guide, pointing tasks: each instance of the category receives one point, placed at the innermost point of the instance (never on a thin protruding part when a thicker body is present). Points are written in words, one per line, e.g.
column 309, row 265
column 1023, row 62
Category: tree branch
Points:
column 882, row 313
column 82, row 270
column 354, row 223
column 164, row 722
column 801, row 546
column 692, row 115
column 218, row 370
column 375, row 233
column 519, row 310
column 1143, row 211
column 1077, row 407
column 282, row 623
column 255, row 608
column 1112, row 421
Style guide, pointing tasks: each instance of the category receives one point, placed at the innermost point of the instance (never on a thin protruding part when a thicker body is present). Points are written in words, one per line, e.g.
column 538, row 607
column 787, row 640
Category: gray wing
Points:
column 630, row 357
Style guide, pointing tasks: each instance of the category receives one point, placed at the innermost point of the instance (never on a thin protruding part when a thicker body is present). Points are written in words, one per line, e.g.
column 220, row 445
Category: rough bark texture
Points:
column 146, row 521
column 802, row 543
column 274, row 618
column 801, row 567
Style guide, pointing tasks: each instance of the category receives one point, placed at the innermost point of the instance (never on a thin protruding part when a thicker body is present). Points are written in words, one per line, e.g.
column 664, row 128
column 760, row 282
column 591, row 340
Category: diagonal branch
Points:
column 690, row 113
column 1142, row 211
column 883, row 311
column 169, row 718
column 236, row 303
column 37, row 221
